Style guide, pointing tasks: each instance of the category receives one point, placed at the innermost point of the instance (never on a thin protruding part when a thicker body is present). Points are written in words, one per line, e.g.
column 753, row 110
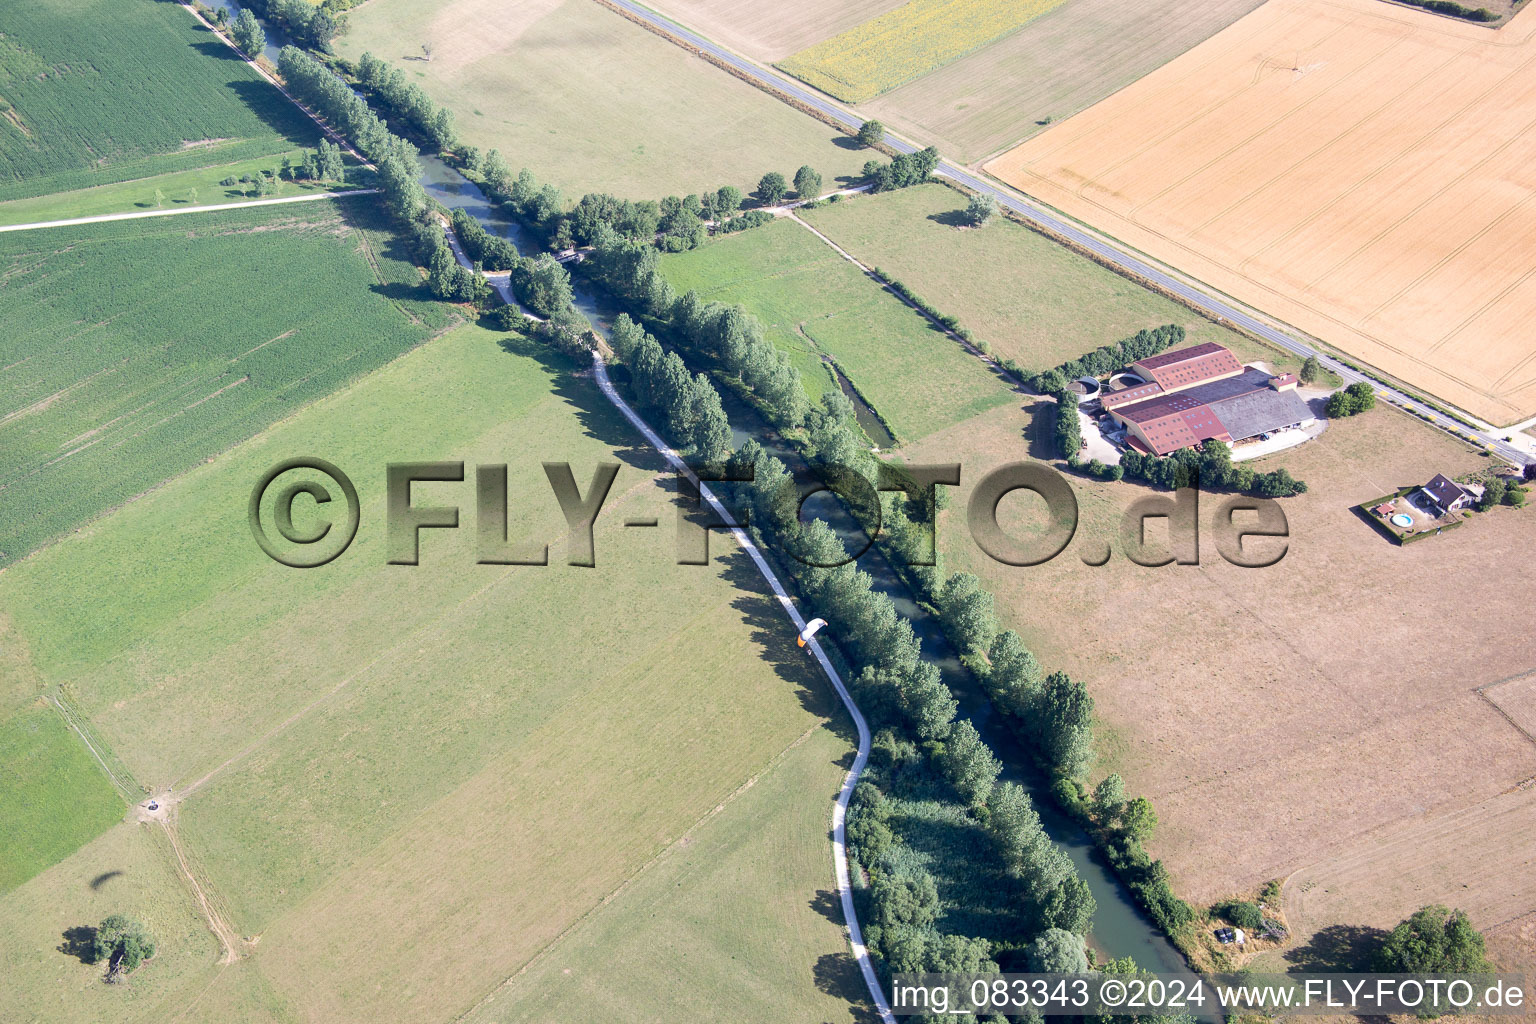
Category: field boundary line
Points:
column 1482, row 691
column 856, row 771
column 130, row 791
column 103, row 218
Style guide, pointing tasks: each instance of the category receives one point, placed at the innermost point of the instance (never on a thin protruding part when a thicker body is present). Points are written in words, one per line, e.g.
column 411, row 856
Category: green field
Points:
column 93, row 91
column 460, row 749
column 198, row 187
column 590, row 101
column 56, row 797
column 1032, row 300
column 814, row 302
column 900, row 45
column 138, row 348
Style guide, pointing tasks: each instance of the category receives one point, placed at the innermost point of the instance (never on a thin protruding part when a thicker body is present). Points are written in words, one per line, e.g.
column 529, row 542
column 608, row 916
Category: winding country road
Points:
column 839, row 809
column 141, row 214
column 1206, row 300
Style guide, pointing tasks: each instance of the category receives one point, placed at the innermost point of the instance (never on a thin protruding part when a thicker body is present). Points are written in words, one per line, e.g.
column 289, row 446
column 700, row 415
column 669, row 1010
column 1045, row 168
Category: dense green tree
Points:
column 329, row 165
column 1109, row 799
column 871, row 133
column 807, row 183
column 979, row 210
column 1014, row 678
column 1311, row 369
column 248, row 33
column 1064, row 725
column 727, row 200
column 1057, row 951
column 965, row 609
column 909, row 896
column 1357, row 398
column 542, row 284
column 122, row 943
column 1434, row 940
column 969, row 763
column 1138, row 820
column 772, row 188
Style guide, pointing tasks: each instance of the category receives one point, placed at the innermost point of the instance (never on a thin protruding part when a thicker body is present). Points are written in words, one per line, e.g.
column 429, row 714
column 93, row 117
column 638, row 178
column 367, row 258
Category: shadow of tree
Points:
column 949, row 218
column 827, row 904
column 842, row 141
column 103, row 878
column 837, row 975
column 1337, row 948
column 80, row 943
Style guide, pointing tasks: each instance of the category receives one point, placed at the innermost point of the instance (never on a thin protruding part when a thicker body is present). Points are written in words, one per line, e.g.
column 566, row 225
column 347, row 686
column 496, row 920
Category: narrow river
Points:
column 1119, row 928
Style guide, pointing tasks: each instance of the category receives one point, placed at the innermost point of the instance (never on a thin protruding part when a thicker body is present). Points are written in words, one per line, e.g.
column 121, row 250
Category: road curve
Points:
column 840, row 808
column 141, row 214
column 1205, row 300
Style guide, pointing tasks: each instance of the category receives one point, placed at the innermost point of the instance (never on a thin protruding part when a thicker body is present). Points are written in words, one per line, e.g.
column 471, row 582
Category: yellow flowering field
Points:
column 912, row 40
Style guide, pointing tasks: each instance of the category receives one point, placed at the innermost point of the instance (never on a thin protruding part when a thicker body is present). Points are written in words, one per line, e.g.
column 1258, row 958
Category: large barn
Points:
column 1195, row 394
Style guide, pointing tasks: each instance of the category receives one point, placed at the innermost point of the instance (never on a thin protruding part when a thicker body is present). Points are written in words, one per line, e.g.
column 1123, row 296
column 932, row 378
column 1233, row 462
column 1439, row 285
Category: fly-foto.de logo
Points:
column 305, row 512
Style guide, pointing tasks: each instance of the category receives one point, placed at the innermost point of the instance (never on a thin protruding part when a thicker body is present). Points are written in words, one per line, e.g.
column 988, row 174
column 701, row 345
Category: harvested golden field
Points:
column 1362, row 170
column 1058, row 64
column 768, row 32
column 1311, row 715
column 912, row 40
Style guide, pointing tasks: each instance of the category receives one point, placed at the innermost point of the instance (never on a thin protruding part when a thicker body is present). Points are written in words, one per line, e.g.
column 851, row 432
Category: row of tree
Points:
column 1105, row 359
column 405, row 101
column 1209, row 466
column 310, row 25
column 902, row 171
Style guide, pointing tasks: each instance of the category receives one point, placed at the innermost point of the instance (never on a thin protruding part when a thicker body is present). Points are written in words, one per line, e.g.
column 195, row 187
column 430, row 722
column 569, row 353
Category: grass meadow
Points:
column 130, row 869
column 812, row 301
column 139, row 348
column 479, row 754
column 198, row 187
column 912, row 40
column 590, row 101
column 56, row 797
column 93, row 92
column 1032, row 300
column 729, row 904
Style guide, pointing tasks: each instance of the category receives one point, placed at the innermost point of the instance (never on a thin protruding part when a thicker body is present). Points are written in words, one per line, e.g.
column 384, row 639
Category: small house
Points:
column 1445, row 494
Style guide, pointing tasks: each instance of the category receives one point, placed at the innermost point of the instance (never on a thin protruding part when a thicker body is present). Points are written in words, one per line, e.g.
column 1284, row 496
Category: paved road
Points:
column 141, row 214
column 1209, row 302
column 839, row 809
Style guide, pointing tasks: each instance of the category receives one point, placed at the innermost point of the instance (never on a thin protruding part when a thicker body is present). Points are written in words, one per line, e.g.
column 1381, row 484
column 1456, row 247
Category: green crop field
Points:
column 93, row 91
column 480, row 754
column 814, row 302
column 1032, row 300
column 136, row 349
column 590, row 101
column 900, row 45
column 56, row 797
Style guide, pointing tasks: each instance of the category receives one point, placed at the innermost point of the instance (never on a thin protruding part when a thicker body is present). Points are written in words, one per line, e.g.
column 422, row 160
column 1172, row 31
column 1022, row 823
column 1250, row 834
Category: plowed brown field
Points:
column 1364, row 171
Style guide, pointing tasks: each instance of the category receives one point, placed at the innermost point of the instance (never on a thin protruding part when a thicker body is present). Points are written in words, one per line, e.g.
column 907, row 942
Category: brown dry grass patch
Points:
column 1325, row 707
